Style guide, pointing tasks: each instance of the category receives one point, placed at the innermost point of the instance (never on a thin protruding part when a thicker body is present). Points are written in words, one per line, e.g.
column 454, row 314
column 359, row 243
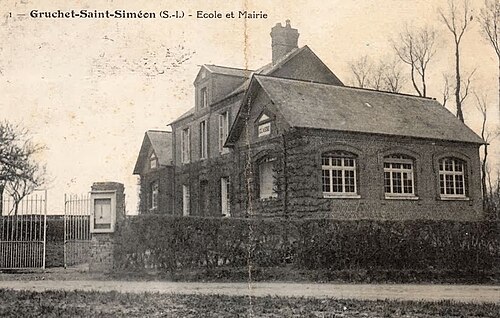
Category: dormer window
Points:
column 264, row 126
column 203, row 97
column 153, row 161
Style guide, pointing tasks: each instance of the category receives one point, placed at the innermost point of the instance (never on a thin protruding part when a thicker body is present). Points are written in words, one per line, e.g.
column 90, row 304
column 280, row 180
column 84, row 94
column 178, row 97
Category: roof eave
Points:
column 482, row 142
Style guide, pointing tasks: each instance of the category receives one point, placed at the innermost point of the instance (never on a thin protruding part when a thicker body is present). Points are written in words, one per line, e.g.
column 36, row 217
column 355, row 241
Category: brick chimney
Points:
column 284, row 40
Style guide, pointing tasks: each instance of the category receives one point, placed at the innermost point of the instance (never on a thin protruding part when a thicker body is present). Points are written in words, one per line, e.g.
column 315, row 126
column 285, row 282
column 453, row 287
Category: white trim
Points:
column 223, row 131
column 453, row 174
column 328, row 195
column 265, row 192
column 454, row 198
column 186, row 198
column 99, row 195
column 400, row 196
column 203, row 97
column 185, row 145
column 410, row 174
column 153, row 161
column 203, row 140
column 224, row 195
column 342, row 169
column 154, row 194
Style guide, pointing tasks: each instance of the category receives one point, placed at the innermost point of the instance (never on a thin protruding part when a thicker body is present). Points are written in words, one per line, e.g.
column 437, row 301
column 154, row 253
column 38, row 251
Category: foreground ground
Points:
column 399, row 292
column 114, row 304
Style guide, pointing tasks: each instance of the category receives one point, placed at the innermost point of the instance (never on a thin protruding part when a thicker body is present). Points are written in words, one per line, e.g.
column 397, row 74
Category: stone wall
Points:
column 303, row 195
column 101, row 252
column 299, row 188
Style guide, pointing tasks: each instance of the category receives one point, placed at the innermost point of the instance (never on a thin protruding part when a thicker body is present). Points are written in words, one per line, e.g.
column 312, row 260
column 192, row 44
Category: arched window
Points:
column 398, row 176
column 338, row 174
column 267, row 178
column 452, row 181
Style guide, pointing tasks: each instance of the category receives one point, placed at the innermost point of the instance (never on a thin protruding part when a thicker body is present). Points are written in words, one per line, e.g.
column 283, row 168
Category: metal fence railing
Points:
column 23, row 231
column 77, row 236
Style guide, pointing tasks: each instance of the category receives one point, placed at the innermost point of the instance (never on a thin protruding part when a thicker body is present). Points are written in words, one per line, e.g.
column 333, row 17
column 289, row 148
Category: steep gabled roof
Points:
column 270, row 68
column 161, row 142
column 313, row 105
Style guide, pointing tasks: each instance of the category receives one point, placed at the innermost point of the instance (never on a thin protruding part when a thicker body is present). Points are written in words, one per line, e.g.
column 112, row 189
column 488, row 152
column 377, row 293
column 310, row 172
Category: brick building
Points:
column 289, row 139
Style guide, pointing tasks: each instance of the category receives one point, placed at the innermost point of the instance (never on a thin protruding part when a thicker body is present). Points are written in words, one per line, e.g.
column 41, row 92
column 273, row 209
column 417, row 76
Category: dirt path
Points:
column 460, row 293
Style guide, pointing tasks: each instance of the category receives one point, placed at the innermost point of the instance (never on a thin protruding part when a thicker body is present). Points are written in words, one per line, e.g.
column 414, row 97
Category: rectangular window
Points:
column 267, row 179
column 154, row 195
column 203, row 140
column 185, row 200
column 398, row 176
column 185, row 146
column 223, row 130
column 452, row 178
column 153, row 162
column 338, row 174
column 224, row 195
column 203, row 97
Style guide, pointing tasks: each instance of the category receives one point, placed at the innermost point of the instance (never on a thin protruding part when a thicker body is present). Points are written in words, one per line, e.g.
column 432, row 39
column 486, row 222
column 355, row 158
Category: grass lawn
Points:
column 114, row 304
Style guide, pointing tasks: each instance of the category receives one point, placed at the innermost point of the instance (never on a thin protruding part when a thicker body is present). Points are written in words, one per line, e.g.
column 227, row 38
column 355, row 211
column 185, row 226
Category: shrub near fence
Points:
column 168, row 243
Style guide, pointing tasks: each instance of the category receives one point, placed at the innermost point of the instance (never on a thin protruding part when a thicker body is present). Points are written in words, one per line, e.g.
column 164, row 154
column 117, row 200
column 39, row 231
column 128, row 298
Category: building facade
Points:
column 290, row 140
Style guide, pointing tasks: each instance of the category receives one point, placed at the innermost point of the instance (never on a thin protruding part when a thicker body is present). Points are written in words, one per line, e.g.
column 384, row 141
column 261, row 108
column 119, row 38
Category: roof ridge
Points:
column 230, row 67
column 345, row 86
column 158, row 130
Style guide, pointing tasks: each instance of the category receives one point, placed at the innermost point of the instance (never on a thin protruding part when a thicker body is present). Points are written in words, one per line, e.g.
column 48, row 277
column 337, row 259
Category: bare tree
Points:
column 416, row 48
column 361, row 70
column 490, row 27
column 393, row 76
column 385, row 75
column 487, row 136
column 446, row 88
column 457, row 19
column 20, row 173
column 467, row 87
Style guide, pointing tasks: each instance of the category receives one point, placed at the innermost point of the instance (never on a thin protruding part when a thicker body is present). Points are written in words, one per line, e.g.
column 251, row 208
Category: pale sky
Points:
column 88, row 89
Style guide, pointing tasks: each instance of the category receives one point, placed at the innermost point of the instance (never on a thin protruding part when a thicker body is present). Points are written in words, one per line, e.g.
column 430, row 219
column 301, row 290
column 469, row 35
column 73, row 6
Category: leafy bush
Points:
column 169, row 243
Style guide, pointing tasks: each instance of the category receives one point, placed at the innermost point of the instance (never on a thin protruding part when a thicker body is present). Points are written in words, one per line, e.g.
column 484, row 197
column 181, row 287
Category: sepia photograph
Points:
column 250, row 158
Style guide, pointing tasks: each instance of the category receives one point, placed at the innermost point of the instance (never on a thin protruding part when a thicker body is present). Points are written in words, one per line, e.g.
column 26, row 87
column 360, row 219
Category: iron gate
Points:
column 23, row 231
column 77, row 236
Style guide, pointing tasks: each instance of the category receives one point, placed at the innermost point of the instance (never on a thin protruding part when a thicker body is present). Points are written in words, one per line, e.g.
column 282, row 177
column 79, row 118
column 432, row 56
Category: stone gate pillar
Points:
column 107, row 201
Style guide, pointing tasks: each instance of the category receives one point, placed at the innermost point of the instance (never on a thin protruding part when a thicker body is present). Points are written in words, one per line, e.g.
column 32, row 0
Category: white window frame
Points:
column 268, row 194
column 203, row 140
column 186, row 200
column 185, row 145
column 223, row 131
column 403, row 173
column 154, row 193
column 203, row 97
column 225, row 192
column 454, row 174
column 153, row 161
column 344, row 169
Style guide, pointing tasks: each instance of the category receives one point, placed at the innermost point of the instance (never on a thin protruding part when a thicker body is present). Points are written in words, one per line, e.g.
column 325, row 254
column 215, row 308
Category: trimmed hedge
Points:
column 171, row 244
